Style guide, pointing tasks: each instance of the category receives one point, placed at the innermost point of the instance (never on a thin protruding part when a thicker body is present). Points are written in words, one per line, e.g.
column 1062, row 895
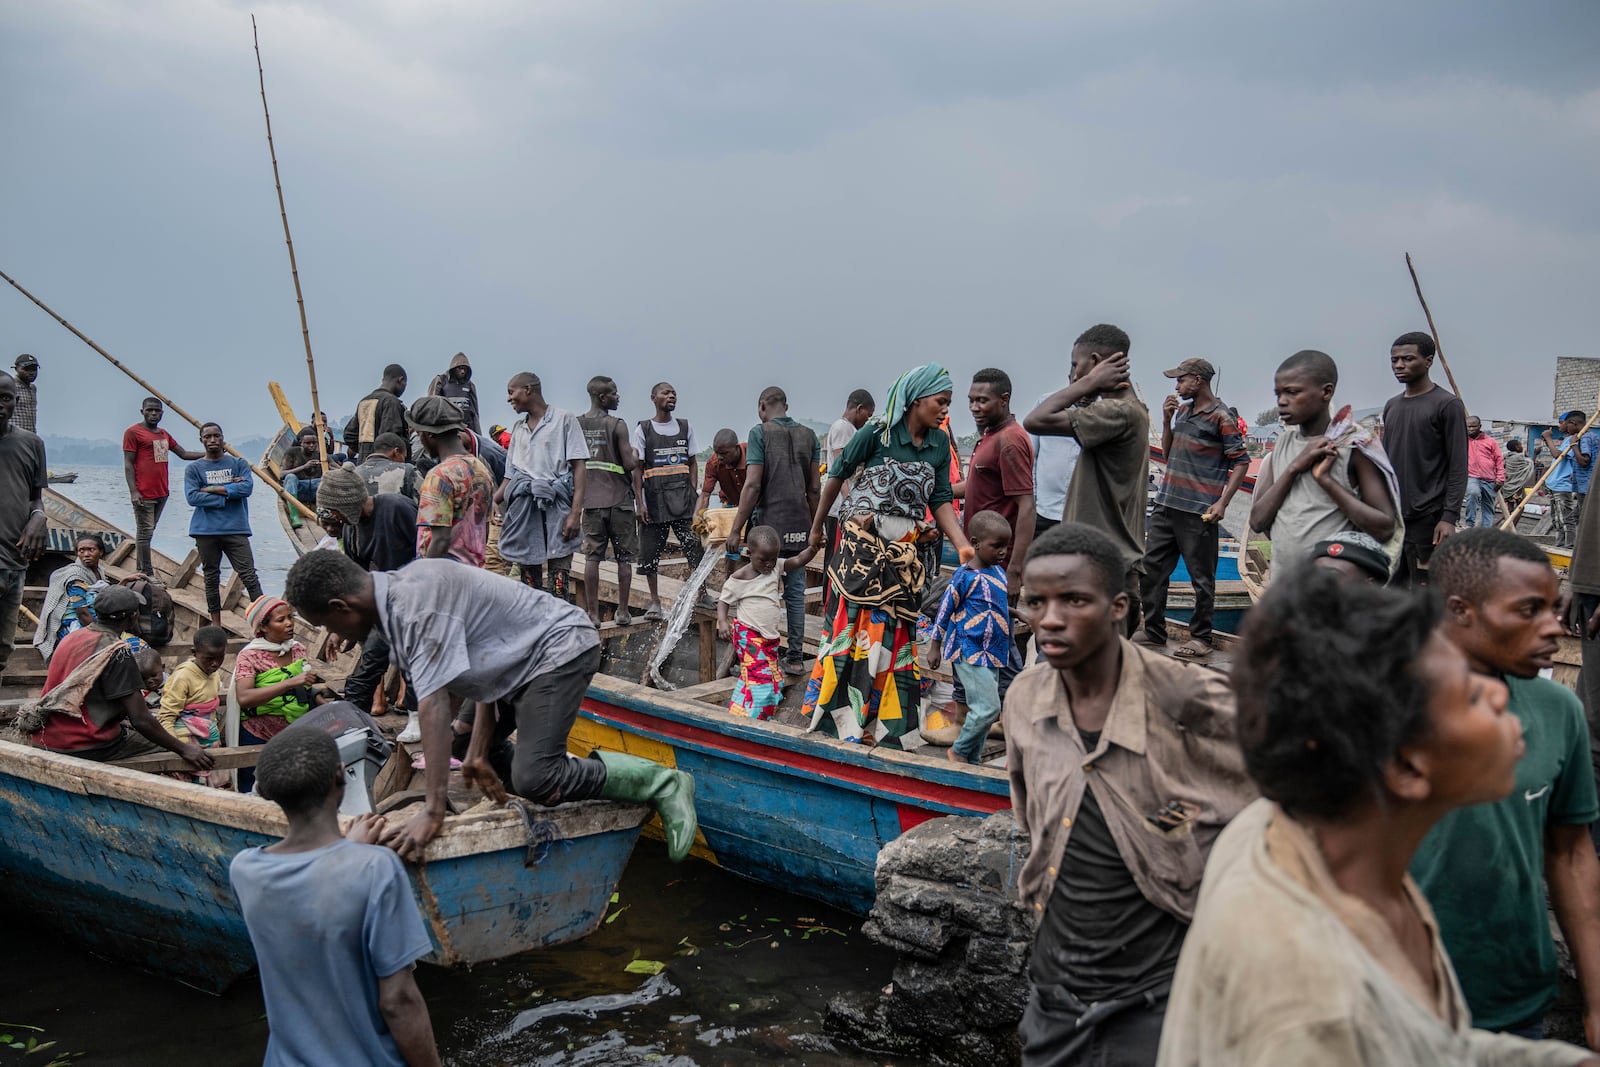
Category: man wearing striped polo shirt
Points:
column 1206, row 465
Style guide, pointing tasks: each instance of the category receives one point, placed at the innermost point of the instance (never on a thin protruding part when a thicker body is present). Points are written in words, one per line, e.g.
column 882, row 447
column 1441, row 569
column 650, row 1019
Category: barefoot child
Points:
column 189, row 698
column 974, row 628
column 337, row 977
column 754, row 593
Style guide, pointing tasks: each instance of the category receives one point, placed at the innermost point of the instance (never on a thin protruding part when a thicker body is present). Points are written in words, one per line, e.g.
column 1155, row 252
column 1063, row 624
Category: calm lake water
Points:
column 103, row 491
column 747, row 970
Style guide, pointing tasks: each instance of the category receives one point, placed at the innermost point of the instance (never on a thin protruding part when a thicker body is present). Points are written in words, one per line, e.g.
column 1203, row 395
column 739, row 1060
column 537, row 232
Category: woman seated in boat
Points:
column 866, row 665
column 93, row 704
column 1362, row 725
column 69, row 602
column 273, row 683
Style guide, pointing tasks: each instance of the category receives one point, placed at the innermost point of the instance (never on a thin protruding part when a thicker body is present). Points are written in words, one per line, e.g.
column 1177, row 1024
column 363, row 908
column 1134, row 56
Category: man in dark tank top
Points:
column 781, row 490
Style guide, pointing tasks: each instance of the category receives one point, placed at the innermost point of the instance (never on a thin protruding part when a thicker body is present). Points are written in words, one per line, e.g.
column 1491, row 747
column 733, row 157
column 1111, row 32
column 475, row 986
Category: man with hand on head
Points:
column 1112, row 477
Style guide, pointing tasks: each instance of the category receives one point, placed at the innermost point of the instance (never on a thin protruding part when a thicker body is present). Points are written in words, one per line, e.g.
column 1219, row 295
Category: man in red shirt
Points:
column 91, row 717
column 1000, row 476
column 145, row 447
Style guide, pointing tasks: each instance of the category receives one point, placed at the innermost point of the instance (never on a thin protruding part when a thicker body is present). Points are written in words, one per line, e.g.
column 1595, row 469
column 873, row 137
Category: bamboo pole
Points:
column 158, row 394
column 294, row 270
column 1434, row 332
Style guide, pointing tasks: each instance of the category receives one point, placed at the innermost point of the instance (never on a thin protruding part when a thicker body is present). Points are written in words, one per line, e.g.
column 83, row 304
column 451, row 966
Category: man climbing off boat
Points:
column 523, row 655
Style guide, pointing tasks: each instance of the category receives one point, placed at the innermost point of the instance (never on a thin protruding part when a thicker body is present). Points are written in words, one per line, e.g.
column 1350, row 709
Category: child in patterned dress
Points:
column 754, row 595
column 974, row 628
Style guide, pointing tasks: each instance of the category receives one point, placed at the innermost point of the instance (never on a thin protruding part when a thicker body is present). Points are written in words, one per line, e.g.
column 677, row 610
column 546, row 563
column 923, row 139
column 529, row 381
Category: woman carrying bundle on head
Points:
column 866, row 665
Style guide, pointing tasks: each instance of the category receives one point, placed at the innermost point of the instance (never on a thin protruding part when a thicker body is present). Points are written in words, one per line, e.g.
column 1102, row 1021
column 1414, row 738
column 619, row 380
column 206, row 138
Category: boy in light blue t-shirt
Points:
column 334, row 925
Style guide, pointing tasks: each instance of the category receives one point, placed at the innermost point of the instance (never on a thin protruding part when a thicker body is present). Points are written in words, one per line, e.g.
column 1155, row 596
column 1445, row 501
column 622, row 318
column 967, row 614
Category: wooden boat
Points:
column 777, row 805
column 135, row 866
column 64, row 478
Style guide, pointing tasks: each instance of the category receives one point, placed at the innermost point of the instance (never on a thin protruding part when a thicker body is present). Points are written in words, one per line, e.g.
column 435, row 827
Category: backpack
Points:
column 155, row 611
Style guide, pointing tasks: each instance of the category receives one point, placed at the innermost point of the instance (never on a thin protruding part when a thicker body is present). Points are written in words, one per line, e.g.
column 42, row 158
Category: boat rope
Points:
column 542, row 833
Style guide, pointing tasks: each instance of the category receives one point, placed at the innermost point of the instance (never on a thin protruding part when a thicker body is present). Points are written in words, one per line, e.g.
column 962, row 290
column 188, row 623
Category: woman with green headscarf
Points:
column 866, row 685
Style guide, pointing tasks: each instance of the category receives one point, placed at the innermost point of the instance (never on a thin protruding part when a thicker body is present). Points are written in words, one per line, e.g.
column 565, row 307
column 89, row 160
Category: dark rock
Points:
column 947, row 902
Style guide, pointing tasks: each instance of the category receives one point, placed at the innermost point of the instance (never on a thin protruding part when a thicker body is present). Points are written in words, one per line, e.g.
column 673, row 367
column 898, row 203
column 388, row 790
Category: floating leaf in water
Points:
column 614, row 916
column 645, row 967
column 615, row 897
column 773, row 945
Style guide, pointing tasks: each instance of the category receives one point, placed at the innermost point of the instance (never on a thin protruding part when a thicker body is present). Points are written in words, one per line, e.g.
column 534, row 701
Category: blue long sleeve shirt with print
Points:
column 974, row 622
column 214, row 513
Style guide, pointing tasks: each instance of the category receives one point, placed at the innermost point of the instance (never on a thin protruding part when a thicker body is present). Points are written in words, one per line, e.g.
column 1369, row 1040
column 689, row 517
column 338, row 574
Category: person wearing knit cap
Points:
column 94, row 692
column 272, row 680
column 522, row 656
column 453, row 512
column 380, row 533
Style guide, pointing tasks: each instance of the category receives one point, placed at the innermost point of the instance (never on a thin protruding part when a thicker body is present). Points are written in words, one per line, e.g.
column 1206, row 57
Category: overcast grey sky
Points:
column 732, row 194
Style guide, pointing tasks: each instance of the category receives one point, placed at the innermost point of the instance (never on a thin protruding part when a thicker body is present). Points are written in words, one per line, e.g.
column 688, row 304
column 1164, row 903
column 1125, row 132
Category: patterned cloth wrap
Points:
column 758, row 693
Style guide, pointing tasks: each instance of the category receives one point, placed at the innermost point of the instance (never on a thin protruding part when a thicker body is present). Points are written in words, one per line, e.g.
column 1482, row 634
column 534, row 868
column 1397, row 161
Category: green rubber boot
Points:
column 670, row 792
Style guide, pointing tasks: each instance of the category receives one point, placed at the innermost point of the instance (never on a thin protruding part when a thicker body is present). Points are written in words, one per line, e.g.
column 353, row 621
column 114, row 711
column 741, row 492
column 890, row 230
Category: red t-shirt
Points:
column 727, row 481
column 1001, row 471
column 149, row 448
column 67, row 733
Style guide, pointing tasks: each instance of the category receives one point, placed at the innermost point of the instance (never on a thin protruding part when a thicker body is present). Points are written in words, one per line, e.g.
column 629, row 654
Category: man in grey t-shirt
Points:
column 22, row 526
column 523, row 655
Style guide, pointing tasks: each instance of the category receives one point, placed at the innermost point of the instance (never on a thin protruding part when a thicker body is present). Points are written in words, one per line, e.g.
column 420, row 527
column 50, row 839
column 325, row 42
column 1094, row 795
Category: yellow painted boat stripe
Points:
column 587, row 736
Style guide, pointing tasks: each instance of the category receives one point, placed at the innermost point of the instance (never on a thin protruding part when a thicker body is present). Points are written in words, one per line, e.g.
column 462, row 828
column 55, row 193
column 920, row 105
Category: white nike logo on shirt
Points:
column 1531, row 797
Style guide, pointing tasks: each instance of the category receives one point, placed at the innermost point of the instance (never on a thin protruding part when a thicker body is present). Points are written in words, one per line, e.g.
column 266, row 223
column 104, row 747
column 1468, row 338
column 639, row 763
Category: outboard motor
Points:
column 362, row 747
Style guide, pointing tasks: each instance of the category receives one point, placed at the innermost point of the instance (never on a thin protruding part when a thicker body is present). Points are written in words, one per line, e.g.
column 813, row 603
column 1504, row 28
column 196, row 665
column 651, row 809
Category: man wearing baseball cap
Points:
column 456, row 495
column 1353, row 556
column 1206, row 465
column 26, row 415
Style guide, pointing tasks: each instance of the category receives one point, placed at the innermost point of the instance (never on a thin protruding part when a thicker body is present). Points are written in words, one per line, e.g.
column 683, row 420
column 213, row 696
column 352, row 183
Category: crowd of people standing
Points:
column 1340, row 852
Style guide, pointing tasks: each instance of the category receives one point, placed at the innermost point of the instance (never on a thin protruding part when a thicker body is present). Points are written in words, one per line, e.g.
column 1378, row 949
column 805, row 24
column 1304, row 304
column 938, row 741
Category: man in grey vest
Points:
column 608, row 502
column 781, row 490
column 669, row 475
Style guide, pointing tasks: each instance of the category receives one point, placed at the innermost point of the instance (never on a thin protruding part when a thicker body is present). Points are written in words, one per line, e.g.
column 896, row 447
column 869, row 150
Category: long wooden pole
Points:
column 1434, row 331
column 158, row 394
column 294, row 270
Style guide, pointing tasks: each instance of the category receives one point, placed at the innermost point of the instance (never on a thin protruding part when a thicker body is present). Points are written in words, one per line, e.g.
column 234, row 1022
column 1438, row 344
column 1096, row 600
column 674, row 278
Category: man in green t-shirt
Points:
column 1485, row 869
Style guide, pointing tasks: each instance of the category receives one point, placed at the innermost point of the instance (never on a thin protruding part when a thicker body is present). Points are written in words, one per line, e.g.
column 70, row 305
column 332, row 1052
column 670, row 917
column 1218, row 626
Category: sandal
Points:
column 622, row 617
column 1144, row 640
column 1192, row 651
column 652, row 613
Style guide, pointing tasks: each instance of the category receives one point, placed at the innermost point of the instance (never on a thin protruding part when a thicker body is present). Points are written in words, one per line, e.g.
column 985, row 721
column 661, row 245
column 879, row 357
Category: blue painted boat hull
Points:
column 793, row 810
column 135, row 867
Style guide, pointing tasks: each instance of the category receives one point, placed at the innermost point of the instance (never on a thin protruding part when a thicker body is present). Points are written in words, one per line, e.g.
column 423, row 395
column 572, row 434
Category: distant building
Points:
column 1577, row 385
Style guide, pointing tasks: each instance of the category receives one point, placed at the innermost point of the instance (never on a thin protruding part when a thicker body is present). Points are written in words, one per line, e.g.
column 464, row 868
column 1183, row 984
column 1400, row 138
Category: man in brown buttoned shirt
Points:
column 1124, row 767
